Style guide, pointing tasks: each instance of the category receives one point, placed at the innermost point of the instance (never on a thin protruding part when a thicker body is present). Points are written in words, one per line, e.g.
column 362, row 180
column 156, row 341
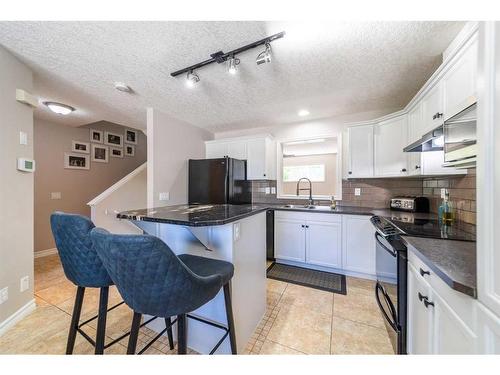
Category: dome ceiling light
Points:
column 59, row 108
column 230, row 57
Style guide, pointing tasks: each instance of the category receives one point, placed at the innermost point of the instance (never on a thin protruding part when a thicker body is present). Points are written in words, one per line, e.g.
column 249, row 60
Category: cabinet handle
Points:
column 417, row 166
column 437, row 115
column 303, row 226
column 403, row 170
column 349, row 172
column 421, row 297
column 423, row 273
column 264, row 175
column 427, row 303
column 307, row 226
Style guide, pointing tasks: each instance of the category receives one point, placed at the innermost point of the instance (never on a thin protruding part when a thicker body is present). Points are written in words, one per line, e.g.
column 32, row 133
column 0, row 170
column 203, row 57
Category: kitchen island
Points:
column 236, row 234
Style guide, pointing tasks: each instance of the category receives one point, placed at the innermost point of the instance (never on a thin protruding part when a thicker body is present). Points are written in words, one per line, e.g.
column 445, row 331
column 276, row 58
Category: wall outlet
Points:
column 25, row 283
column 273, row 190
column 165, row 196
column 23, row 138
column 4, row 294
column 443, row 192
column 268, row 190
column 55, row 195
column 357, row 191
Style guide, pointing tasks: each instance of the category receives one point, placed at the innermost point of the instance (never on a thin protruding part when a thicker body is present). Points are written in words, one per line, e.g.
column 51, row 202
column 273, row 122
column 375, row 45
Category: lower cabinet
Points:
column 309, row 238
column 358, row 244
column 324, row 243
column 340, row 242
column 434, row 327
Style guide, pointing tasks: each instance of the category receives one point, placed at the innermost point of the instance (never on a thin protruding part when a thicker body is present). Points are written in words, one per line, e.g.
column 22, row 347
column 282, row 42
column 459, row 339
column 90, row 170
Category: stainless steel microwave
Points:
column 460, row 142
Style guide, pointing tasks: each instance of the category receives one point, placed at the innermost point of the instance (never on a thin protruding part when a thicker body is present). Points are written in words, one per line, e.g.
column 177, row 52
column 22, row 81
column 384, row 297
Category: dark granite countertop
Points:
column 453, row 261
column 194, row 215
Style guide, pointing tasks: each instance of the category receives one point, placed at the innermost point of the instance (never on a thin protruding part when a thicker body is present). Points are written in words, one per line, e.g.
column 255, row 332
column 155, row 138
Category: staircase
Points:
column 127, row 194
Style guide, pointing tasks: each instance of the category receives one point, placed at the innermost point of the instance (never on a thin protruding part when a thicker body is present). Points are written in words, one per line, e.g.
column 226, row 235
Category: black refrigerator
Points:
column 218, row 181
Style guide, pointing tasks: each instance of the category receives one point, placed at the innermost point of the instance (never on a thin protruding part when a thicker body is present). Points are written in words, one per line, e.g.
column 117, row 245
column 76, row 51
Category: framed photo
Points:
column 96, row 136
column 116, row 152
column 76, row 161
column 113, row 139
column 81, row 147
column 129, row 150
column 131, row 136
column 100, row 154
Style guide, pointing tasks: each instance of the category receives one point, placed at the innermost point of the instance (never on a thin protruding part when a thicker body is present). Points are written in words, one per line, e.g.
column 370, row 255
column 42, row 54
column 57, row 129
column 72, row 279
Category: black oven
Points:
column 390, row 289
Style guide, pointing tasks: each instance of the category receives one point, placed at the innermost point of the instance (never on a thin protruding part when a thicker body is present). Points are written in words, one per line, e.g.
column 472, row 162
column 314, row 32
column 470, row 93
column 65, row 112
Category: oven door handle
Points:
column 392, row 322
column 390, row 251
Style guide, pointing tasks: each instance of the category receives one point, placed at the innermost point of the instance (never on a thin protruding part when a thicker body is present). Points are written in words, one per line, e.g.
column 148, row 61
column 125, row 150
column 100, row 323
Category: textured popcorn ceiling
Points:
column 332, row 69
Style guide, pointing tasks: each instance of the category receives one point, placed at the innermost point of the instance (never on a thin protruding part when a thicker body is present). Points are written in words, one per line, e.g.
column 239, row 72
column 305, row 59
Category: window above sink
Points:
column 317, row 159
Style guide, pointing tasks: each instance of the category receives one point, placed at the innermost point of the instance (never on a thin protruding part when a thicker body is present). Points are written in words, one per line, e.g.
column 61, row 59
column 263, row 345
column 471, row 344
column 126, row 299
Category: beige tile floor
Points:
column 298, row 320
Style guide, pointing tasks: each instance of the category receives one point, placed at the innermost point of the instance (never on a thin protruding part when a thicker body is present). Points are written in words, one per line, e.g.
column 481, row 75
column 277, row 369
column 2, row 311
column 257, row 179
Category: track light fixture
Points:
column 264, row 56
column 231, row 65
column 230, row 57
column 192, row 79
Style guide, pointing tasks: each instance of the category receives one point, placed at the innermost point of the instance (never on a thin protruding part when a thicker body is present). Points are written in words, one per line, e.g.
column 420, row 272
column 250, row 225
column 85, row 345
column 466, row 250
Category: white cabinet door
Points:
column 324, row 243
column 358, row 244
column 390, row 137
column 459, row 82
column 237, row 150
column 289, row 240
column 432, row 108
column 432, row 164
column 214, row 150
column 488, row 328
column 414, row 134
column 256, row 162
column 450, row 333
column 360, row 151
column 419, row 333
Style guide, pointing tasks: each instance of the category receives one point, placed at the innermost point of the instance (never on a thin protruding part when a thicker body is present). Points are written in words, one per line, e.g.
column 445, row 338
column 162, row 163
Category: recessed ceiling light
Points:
column 120, row 86
column 59, row 108
column 303, row 112
column 192, row 79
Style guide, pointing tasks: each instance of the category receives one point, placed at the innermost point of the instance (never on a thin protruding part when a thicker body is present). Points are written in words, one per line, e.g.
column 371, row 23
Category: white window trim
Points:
column 279, row 167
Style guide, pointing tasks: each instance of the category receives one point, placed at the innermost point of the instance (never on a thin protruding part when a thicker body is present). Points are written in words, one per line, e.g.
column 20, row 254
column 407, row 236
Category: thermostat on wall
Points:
column 25, row 165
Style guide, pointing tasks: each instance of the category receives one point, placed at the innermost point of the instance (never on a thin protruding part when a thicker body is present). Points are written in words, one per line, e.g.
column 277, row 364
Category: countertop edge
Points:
column 455, row 285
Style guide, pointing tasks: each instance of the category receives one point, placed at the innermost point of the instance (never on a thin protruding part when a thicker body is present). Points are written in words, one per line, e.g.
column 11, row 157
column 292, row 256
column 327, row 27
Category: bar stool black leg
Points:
column 181, row 334
column 230, row 319
column 168, row 323
column 134, row 333
column 75, row 319
column 101, row 321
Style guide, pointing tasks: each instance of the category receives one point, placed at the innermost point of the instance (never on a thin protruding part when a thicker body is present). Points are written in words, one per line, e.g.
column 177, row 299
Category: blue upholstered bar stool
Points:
column 84, row 268
column 154, row 281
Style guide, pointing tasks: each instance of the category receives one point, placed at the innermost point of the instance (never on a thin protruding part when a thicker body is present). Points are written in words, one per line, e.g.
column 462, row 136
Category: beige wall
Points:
column 77, row 187
column 171, row 143
column 327, row 187
column 16, row 188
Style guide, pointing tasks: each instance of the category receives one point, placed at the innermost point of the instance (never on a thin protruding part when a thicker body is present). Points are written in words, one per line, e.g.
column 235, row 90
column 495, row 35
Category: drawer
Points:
column 308, row 216
column 461, row 303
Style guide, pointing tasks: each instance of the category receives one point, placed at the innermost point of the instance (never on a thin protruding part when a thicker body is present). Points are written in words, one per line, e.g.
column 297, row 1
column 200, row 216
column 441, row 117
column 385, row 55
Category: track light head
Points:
column 264, row 56
column 232, row 62
column 192, row 79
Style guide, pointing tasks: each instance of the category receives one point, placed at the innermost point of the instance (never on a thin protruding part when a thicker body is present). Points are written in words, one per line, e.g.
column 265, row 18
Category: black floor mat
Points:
column 331, row 282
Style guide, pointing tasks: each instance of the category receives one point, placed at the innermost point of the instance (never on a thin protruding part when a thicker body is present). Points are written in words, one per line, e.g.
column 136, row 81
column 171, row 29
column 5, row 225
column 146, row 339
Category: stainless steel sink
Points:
column 308, row 207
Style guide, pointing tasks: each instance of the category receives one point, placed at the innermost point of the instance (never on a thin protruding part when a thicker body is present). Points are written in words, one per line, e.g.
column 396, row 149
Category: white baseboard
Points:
column 44, row 253
column 17, row 316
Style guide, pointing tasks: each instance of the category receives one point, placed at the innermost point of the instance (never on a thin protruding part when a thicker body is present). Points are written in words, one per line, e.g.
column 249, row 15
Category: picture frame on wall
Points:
column 96, row 136
column 80, row 147
column 76, row 161
column 115, row 152
column 131, row 136
column 129, row 150
column 113, row 139
column 100, row 154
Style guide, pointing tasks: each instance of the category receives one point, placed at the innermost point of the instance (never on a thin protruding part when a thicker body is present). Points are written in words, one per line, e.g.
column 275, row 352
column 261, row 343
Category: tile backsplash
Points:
column 377, row 192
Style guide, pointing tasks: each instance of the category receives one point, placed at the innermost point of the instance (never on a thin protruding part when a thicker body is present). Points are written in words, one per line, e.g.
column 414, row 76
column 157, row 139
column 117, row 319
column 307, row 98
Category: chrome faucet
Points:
column 311, row 201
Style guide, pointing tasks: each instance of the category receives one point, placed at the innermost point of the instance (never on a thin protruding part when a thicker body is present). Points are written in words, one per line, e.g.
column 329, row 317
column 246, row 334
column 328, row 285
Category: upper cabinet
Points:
column 432, row 109
column 259, row 152
column 390, row 137
column 459, row 82
column 360, row 151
